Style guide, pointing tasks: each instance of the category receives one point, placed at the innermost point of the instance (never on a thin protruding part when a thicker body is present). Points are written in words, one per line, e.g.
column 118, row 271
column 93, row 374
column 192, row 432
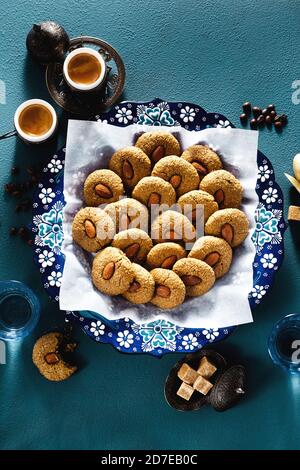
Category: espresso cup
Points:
column 35, row 121
column 84, row 70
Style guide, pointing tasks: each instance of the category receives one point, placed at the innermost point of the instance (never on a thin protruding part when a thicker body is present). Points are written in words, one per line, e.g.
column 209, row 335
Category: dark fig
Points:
column 173, row 382
column 47, row 42
column 228, row 389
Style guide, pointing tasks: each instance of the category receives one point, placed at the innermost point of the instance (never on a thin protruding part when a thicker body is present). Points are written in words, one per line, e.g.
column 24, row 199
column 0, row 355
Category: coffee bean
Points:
column 247, row 108
column 34, row 179
column 268, row 120
column 9, row 188
column 260, row 121
column 13, row 231
column 243, row 118
column 253, row 124
column 16, row 193
column 277, row 118
column 265, row 112
column 256, row 111
column 273, row 114
column 284, row 119
column 22, row 231
column 271, row 108
column 15, row 170
column 278, row 125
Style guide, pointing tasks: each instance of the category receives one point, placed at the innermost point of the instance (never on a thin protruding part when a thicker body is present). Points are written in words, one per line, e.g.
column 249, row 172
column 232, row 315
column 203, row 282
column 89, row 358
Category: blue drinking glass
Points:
column 284, row 343
column 19, row 310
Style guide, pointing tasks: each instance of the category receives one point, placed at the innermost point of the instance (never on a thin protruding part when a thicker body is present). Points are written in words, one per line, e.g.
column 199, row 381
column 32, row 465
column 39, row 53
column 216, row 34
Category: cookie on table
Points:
column 49, row 354
column 112, row 271
column 134, row 242
column 214, row 251
column 203, row 159
column 230, row 224
column 158, row 145
column 102, row 187
column 226, row 188
column 177, row 171
column 198, row 202
column 128, row 213
column 165, row 255
column 169, row 288
column 197, row 276
column 172, row 226
column 141, row 289
column 153, row 190
column 92, row 229
column 131, row 164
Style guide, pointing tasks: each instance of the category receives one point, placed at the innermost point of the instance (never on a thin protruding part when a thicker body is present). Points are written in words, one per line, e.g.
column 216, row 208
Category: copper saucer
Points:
column 92, row 103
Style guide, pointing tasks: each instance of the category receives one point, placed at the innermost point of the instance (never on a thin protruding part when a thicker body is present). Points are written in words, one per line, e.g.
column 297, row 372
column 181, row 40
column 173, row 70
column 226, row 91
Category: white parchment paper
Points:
column 89, row 147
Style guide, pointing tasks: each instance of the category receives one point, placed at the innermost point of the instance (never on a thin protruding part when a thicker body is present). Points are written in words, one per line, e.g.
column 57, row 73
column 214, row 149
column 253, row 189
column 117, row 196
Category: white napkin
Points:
column 89, row 147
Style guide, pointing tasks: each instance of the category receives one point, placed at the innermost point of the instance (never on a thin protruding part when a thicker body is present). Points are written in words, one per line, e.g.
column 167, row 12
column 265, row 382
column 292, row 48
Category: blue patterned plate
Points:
column 160, row 336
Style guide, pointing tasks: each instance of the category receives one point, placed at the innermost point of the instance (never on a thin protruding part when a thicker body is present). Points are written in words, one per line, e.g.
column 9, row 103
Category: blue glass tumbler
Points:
column 284, row 343
column 19, row 310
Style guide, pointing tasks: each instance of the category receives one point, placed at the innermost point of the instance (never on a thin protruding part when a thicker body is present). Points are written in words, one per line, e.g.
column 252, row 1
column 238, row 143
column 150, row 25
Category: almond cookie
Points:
column 141, row 289
column 177, row 171
column 102, row 187
column 197, row 276
column 112, row 271
column 154, row 190
column 169, row 288
column 135, row 243
column 158, row 145
column 131, row 164
column 165, row 255
column 198, row 204
column 226, row 188
column 92, row 229
column 128, row 213
column 172, row 225
column 230, row 224
column 49, row 356
column 203, row 159
column 214, row 251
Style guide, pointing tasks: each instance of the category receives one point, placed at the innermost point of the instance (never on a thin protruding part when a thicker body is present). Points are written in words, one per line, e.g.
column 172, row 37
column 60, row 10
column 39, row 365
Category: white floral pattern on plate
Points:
column 211, row 334
column 97, row 328
column 47, row 195
column 190, row 342
column 187, row 114
column 124, row 115
column 46, row 258
column 125, row 338
column 55, row 165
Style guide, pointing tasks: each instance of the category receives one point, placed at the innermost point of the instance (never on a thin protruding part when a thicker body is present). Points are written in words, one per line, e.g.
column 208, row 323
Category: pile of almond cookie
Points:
column 121, row 212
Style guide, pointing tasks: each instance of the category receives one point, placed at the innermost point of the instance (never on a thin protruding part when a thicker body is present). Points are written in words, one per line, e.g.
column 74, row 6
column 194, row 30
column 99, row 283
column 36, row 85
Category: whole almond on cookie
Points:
column 90, row 229
column 108, row 270
column 132, row 250
column 127, row 170
column 103, row 191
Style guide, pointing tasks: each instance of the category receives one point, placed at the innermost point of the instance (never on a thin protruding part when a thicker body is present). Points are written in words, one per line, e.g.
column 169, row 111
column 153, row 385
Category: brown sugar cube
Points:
column 202, row 385
column 185, row 391
column 187, row 374
column 294, row 213
column 206, row 369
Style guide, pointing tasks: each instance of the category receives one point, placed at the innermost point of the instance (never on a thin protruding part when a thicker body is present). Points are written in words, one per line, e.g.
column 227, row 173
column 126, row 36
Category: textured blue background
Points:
column 214, row 53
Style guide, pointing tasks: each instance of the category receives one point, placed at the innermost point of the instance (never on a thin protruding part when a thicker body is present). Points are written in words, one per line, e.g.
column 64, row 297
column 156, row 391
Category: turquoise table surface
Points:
column 217, row 54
